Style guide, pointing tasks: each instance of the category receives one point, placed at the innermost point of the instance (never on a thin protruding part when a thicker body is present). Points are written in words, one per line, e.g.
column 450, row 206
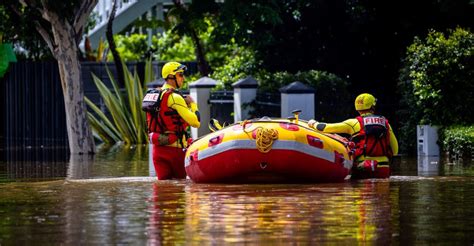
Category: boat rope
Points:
column 264, row 139
column 243, row 123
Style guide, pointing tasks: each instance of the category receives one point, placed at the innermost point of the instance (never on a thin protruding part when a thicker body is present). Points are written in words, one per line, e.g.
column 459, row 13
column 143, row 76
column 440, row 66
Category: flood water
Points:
column 113, row 200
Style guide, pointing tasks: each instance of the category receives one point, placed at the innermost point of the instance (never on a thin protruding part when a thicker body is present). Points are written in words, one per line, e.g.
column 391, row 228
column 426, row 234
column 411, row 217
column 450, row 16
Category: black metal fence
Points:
column 266, row 104
column 32, row 106
column 33, row 110
column 35, row 165
column 222, row 106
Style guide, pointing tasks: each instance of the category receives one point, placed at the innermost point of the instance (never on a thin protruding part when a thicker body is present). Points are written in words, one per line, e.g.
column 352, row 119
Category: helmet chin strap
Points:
column 176, row 83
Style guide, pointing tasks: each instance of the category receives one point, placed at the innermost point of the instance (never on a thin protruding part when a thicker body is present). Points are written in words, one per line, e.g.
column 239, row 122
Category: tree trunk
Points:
column 66, row 52
column 203, row 65
column 110, row 38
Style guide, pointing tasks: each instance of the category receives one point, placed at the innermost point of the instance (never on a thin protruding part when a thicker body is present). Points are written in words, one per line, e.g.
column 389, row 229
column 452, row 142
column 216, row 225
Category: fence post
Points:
column 200, row 91
column 245, row 91
column 297, row 96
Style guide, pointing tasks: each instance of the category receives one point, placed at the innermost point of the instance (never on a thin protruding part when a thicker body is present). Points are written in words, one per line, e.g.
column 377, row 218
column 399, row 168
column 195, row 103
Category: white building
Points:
column 127, row 12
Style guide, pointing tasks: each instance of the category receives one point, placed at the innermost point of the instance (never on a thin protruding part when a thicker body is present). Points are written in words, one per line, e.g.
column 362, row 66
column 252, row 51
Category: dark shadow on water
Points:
column 111, row 161
column 107, row 200
column 56, row 163
column 32, row 164
column 132, row 161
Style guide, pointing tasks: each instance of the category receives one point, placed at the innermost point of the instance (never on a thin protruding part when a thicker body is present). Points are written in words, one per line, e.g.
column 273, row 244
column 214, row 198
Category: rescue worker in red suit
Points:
column 168, row 123
column 375, row 142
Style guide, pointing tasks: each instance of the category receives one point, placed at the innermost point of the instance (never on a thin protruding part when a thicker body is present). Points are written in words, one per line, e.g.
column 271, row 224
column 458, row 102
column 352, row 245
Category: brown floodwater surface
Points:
column 112, row 200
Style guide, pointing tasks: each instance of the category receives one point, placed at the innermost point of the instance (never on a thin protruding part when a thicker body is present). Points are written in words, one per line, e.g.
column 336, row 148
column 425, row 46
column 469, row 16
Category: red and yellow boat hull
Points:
column 298, row 154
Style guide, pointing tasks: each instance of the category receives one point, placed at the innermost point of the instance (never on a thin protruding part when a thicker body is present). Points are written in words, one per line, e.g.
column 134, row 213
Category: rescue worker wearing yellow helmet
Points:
column 169, row 113
column 375, row 142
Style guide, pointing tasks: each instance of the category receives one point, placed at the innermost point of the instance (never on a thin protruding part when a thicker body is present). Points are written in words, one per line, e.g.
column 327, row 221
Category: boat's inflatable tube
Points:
column 268, row 150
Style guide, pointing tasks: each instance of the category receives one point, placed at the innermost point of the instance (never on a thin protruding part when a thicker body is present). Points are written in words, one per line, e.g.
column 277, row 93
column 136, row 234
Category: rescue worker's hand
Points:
column 312, row 123
column 188, row 99
column 160, row 139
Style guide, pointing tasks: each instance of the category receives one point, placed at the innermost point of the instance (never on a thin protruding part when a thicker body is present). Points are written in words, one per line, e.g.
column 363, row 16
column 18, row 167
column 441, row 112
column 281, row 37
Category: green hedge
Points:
column 458, row 140
column 436, row 83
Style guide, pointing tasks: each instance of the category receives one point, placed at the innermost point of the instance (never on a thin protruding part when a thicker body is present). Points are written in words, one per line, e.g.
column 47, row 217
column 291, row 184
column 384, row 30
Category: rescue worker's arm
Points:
column 349, row 126
column 393, row 142
column 190, row 115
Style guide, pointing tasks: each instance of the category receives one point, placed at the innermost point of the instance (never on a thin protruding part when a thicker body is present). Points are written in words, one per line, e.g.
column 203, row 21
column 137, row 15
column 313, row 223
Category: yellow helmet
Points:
column 171, row 68
column 364, row 101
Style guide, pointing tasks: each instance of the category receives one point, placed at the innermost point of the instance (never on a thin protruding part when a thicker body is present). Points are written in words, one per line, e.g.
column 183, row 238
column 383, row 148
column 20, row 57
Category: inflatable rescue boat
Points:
column 268, row 150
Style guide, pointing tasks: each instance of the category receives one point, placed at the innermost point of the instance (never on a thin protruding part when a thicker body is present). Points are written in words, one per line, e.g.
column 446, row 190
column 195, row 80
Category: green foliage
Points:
column 442, row 74
column 167, row 46
column 458, row 140
column 192, row 18
column 19, row 31
column 230, row 61
column 130, row 48
column 437, row 82
column 6, row 56
column 171, row 47
column 238, row 64
column 128, row 122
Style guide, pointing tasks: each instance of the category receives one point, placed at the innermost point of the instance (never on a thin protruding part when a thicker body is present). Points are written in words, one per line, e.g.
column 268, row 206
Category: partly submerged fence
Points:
column 32, row 108
column 33, row 113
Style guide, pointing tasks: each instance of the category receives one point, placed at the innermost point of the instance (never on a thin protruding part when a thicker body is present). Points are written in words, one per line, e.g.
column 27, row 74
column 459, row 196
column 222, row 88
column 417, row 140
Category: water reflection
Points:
column 30, row 164
column 80, row 166
column 272, row 214
column 428, row 165
column 141, row 210
column 120, row 161
column 127, row 161
column 51, row 164
column 166, row 214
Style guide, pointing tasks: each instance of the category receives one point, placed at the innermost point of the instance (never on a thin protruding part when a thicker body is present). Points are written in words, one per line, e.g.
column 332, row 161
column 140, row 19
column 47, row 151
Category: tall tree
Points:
column 113, row 48
column 189, row 20
column 61, row 24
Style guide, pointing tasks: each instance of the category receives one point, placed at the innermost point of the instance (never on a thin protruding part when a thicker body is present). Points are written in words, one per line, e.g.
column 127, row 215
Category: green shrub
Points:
column 171, row 47
column 458, row 140
column 437, row 83
column 130, row 48
column 239, row 64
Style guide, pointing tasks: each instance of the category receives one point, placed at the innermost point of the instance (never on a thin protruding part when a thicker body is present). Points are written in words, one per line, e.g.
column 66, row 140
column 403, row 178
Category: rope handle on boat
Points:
column 264, row 139
column 243, row 123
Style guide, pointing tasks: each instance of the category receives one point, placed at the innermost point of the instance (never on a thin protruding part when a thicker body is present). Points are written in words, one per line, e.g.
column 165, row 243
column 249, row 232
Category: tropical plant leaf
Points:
column 112, row 131
column 128, row 121
column 149, row 74
column 103, row 132
column 113, row 105
column 117, row 90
